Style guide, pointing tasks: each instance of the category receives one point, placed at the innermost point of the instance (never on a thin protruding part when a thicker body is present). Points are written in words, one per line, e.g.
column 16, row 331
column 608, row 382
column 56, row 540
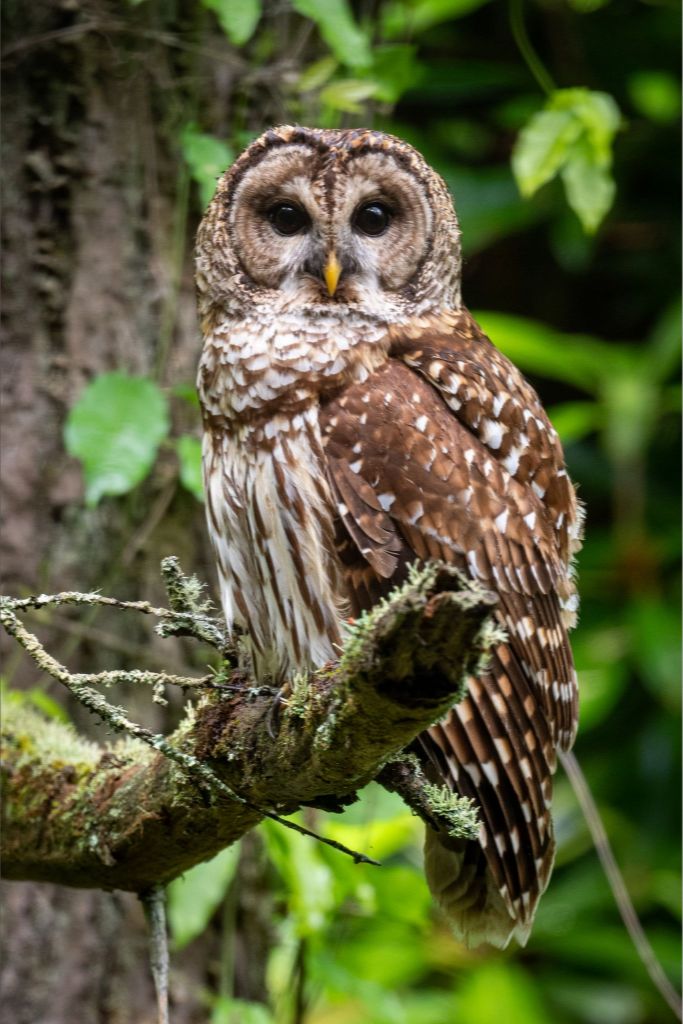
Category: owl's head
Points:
column 315, row 220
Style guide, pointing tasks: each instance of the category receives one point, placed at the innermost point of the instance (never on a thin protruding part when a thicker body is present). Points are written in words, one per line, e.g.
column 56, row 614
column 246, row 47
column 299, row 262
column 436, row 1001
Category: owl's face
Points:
column 325, row 220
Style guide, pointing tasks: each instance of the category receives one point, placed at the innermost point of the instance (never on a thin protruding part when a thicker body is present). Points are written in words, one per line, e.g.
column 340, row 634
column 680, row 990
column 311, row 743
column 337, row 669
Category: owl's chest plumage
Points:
column 269, row 506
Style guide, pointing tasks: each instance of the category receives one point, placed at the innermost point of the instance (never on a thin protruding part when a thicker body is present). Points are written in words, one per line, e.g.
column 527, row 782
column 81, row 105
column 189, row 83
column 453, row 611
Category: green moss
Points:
column 44, row 743
column 488, row 638
column 186, row 593
column 325, row 732
column 407, row 759
column 300, row 695
column 421, row 578
column 458, row 812
column 184, row 731
column 44, row 739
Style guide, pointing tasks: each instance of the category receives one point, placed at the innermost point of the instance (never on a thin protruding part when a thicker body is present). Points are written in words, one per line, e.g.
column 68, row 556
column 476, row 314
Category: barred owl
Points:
column 356, row 419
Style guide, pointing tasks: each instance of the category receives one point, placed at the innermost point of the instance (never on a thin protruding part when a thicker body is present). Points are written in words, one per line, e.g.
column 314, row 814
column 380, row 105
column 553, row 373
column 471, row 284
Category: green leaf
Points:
column 361, row 999
column 589, row 186
column 348, row 94
column 409, row 17
column 631, row 411
column 378, row 839
column 415, row 904
column 349, row 43
column 588, row 6
column 237, row 18
column 662, row 357
column 575, row 420
column 600, row 655
column 207, row 158
column 37, row 698
column 595, row 1002
column 195, row 896
column 115, row 429
column 189, row 451
column 542, row 148
column 598, row 114
column 374, row 803
column 577, row 897
column 657, row 649
column 537, row 348
column 188, row 393
column 572, row 135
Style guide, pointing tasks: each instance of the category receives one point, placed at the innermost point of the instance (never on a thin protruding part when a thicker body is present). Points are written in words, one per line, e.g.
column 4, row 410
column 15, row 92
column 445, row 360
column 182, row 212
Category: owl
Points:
column 356, row 420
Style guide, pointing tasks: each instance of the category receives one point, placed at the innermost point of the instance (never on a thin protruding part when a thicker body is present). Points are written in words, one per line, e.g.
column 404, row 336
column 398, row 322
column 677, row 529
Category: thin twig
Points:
column 154, row 902
column 75, row 597
column 617, row 884
column 524, row 45
column 141, row 677
column 203, row 627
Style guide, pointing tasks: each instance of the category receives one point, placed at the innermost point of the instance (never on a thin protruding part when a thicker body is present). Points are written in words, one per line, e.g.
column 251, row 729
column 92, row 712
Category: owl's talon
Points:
column 274, row 712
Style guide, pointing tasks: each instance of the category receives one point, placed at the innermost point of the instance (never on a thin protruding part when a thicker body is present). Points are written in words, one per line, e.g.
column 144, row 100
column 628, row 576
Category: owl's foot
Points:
column 274, row 712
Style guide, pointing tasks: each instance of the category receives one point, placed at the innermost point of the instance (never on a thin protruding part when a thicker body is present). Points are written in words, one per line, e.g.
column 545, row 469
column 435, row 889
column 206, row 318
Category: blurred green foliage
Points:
column 572, row 136
column 115, row 429
column 194, row 898
column 237, row 19
column 599, row 262
column 206, row 158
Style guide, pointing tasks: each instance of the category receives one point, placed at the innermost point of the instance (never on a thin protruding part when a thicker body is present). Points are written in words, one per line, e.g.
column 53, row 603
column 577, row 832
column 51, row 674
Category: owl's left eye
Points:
column 287, row 218
column 372, row 218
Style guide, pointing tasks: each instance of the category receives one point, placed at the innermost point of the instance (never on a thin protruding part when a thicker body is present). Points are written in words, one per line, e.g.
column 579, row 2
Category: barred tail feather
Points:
column 495, row 748
column 464, row 888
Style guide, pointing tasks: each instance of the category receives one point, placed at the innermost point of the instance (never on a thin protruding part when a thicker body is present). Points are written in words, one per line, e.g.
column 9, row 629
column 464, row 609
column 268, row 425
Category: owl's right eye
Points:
column 288, row 219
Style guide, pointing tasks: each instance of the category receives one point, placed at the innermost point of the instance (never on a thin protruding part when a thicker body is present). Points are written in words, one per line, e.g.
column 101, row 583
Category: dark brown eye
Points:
column 287, row 218
column 372, row 218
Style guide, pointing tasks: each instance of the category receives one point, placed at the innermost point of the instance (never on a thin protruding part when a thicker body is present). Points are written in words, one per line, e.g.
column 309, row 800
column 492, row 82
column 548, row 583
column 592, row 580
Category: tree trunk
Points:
column 97, row 276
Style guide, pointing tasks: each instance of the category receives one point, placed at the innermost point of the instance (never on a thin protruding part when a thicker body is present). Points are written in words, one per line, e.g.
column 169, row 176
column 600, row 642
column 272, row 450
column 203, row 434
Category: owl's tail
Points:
column 495, row 748
column 463, row 886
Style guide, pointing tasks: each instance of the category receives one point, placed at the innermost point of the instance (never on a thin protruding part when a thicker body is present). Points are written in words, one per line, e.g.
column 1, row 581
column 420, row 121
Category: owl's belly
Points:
column 269, row 512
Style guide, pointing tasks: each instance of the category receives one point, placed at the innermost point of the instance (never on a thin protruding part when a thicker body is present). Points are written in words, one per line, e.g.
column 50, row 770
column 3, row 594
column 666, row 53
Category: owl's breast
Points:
column 269, row 512
column 252, row 371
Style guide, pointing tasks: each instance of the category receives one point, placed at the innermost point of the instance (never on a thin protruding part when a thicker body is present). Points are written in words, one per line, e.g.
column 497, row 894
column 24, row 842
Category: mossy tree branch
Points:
column 137, row 813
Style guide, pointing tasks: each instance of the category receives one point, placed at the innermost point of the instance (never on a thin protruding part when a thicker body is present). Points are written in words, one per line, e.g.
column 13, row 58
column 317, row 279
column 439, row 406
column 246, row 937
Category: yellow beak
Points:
column 332, row 272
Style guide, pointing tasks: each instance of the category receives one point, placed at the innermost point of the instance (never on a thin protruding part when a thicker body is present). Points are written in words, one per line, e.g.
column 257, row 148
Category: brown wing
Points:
column 494, row 401
column 413, row 480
